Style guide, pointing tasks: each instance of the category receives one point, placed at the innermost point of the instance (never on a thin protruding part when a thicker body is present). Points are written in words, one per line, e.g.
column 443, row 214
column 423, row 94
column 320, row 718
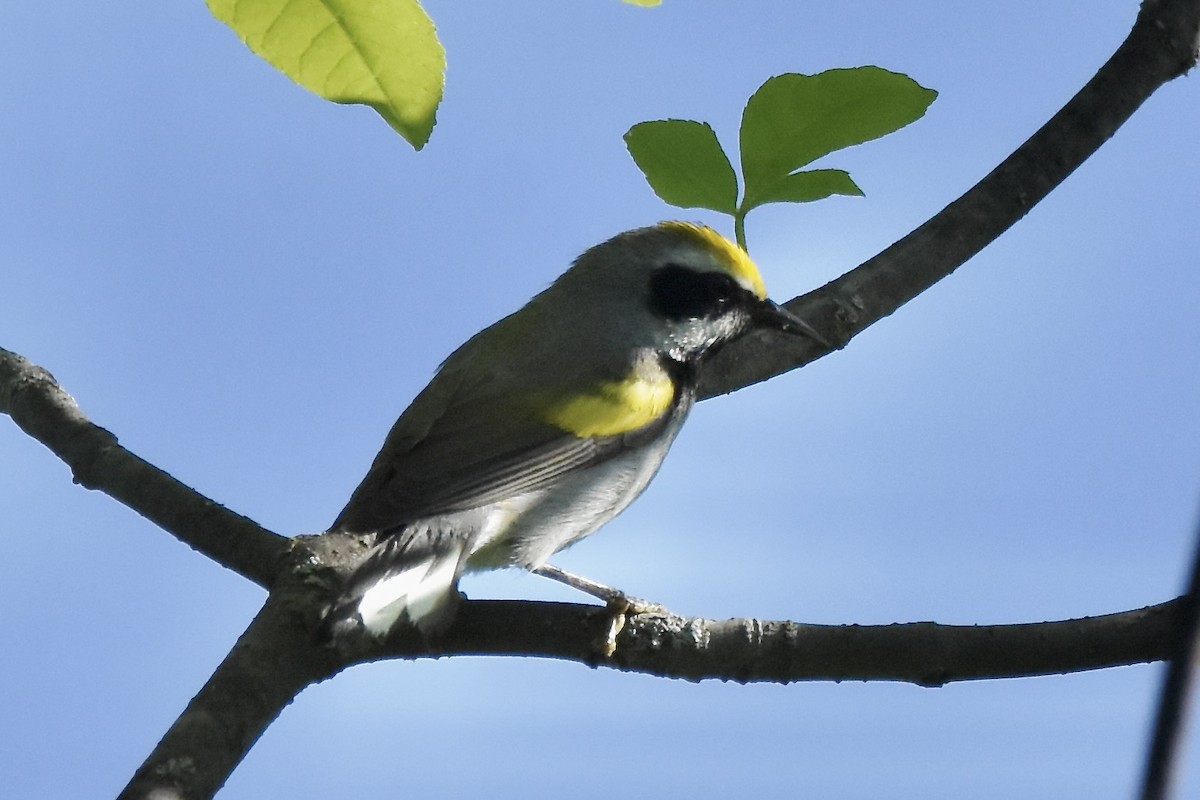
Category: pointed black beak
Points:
column 770, row 314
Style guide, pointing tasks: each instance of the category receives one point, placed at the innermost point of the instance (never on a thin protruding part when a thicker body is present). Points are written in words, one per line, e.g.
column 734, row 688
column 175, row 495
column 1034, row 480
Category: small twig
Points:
column 1162, row 760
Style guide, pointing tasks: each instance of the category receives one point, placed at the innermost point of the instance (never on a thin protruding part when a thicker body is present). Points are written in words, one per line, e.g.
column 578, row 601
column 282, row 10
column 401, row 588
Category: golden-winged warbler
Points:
column 544, row 426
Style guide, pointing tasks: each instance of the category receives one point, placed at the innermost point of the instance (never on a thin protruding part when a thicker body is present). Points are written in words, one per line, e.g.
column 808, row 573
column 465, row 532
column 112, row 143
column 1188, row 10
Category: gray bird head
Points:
column 678, row 288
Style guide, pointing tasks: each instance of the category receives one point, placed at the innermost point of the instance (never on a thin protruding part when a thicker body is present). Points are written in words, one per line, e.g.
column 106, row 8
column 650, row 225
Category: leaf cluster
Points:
column 790, row 122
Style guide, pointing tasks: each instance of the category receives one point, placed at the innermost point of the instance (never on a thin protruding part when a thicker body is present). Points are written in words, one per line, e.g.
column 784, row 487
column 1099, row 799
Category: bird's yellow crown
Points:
column 734, row 259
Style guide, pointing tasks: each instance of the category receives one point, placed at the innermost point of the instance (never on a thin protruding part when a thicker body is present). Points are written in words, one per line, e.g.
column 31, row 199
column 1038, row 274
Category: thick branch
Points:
column 748, row 650
column 274, row 660
column 1162, row 45
column 40, row 407
column 270, row 664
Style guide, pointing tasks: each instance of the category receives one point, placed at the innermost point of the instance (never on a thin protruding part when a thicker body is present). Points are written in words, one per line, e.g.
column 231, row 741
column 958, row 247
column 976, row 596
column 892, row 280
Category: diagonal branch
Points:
column 1175, row 696
column 272, row 661
column 40, row 407
column 1161, row 46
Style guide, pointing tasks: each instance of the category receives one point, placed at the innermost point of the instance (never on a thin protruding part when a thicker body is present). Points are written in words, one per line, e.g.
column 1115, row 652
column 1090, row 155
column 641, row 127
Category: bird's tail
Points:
column 403, row 580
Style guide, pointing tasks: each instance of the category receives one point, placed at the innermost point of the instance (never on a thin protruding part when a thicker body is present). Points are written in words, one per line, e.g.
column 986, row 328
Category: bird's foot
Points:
column 620, row 605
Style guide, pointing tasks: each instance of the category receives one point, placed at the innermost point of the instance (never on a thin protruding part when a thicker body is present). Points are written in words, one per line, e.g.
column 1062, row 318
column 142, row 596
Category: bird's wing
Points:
column 470, row 438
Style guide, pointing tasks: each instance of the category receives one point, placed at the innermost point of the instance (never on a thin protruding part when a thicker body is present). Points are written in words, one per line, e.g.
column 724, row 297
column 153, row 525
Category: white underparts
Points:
column 414, row 592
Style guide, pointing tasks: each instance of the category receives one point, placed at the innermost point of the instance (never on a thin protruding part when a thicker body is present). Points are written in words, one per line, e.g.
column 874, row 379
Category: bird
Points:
column 547, row 424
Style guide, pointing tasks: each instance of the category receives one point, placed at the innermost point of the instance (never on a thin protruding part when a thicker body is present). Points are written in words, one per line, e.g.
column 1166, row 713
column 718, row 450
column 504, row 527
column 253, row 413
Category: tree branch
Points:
column 750, row 650
column 1170, row 724
column 274, row 660
column 1161, row 46
column 40, row 407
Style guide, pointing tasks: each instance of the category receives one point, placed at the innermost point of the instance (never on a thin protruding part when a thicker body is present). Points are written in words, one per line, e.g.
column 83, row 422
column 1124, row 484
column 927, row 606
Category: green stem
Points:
column 739, row 229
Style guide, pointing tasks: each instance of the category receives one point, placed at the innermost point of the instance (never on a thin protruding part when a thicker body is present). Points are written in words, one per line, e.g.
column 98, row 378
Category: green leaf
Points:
column 794, row 119
column 809, row 185
column 380, row 53
column 684, row 163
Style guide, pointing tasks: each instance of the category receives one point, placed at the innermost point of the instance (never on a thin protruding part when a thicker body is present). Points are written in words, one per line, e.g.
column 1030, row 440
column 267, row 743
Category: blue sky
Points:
column 247, row 284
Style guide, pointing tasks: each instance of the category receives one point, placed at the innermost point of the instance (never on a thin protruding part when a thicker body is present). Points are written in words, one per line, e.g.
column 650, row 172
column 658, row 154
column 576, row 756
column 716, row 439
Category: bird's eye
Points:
column 678, row 292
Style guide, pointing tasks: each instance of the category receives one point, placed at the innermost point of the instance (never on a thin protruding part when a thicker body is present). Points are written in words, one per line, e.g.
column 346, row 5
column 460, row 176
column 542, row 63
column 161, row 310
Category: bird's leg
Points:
column 620, row 605
column 615, row 598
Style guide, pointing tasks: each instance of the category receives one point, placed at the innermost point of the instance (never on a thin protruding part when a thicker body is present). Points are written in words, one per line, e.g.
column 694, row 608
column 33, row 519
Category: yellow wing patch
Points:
column 614, row 407
column 733, row 258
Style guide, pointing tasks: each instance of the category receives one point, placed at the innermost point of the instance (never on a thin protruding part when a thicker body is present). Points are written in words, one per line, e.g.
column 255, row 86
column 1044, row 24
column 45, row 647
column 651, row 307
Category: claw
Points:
column 620, row 605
